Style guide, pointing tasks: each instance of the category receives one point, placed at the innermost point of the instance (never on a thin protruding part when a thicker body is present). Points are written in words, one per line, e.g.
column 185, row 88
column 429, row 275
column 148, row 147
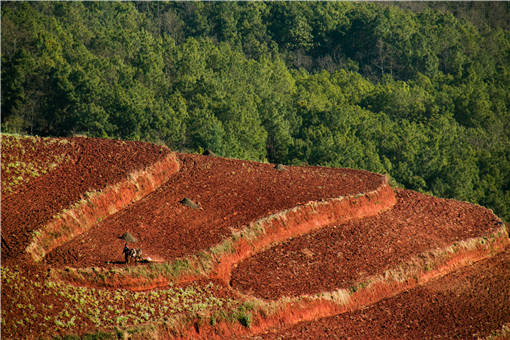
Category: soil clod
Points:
column 128, row 237
column 189, row 203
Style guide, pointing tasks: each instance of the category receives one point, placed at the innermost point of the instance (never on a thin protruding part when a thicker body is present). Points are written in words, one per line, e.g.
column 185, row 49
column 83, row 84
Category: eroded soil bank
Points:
column 98, row 205
column 231, row 193
column 337, row 257
column 218, row 261
column 470, row 302
column 93, row 165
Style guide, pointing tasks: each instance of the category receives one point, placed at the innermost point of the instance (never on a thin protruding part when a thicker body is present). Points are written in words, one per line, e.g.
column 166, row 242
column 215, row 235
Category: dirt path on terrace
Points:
column 337, row 257
column 469, row 303
column 231, row 193
column 93, row 165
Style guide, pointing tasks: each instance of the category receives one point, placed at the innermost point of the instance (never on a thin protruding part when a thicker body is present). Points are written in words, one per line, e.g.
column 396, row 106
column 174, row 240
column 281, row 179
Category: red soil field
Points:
column 471, row 302
column 40, row 297
column 338, row 257
column 231, row 194
column 23, row 156
column 93, row 165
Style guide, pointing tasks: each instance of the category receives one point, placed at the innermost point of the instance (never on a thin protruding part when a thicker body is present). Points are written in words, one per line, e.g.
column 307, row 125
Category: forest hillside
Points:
column 418, row 92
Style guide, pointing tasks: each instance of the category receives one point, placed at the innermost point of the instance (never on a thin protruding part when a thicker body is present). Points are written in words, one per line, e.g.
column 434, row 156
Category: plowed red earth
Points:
column 231, row 194
column 39, row 330
column 469, row 303
column 40, row 153
column 94, row 164
column 337, row 257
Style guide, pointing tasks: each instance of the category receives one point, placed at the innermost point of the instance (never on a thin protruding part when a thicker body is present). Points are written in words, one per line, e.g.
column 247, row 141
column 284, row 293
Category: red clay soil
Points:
column 41, row 153
column 304, row 220
column 231, row 194
column 468, row 303
column 35, row 273
column 95, row 164
column 38, row 274
column 338, row 257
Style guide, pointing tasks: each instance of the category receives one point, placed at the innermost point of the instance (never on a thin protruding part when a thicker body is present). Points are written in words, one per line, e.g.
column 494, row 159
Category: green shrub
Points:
column 244, row 318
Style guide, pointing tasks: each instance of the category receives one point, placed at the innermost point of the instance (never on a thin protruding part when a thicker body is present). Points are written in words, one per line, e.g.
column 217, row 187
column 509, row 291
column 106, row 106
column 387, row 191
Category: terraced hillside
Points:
column 472, row 302
column 83, row 169
column 324, row 242
column 231, row 194
column 349, row 254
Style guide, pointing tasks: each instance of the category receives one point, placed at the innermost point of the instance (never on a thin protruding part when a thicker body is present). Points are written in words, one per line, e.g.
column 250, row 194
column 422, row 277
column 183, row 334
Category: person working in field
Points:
column 126, row 252
column 136, row 254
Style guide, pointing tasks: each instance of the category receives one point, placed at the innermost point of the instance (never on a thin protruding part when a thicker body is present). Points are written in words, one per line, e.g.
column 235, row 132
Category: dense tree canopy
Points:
column 421, row 95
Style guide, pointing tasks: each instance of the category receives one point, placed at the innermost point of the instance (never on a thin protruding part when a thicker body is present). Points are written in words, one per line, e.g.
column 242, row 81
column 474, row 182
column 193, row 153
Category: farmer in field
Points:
column 126, row 252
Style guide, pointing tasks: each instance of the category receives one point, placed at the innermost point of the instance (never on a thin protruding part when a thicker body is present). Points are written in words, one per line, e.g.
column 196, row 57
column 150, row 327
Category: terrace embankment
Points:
column 91, row 165
column 345, row 268
column 218, row 261
column 328, row 243
column 302, row 220
column 426, row 267
column 342, row 255
column 96, row 206
column 232, row 194
column 468, row 303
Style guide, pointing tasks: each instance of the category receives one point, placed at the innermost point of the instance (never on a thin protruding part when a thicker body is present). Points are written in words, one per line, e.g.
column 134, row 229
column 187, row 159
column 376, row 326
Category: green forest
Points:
column 420, row 92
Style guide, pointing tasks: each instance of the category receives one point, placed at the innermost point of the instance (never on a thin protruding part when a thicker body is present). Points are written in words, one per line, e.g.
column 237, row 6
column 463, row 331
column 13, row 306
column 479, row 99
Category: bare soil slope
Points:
column 472, row 302
column 338, row 257
column 258, row 210
column 91, row 164
column 231, row 193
